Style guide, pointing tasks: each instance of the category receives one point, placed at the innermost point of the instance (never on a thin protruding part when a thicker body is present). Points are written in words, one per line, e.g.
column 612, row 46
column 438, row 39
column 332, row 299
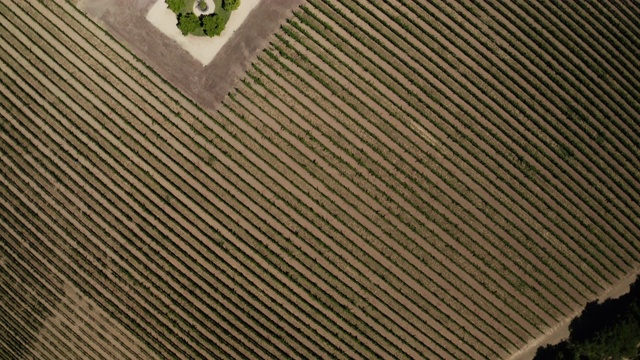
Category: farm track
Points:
column 387, row 180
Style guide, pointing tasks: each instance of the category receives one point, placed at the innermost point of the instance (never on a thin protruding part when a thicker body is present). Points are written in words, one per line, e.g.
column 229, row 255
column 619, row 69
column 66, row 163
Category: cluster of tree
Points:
column 211, row 25
column 610, row 330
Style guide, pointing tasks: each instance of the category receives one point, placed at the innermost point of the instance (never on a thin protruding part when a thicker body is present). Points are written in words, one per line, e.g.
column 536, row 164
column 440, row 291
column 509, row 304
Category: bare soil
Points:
column 208, row 85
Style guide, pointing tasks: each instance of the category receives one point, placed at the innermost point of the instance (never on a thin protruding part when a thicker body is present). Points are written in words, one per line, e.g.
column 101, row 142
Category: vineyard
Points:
column 387, row 179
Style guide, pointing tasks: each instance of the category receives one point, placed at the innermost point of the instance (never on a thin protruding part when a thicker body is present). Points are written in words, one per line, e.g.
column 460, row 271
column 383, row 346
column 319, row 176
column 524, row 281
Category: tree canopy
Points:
column 230, row 5
column 188, row 23
column 213, row 24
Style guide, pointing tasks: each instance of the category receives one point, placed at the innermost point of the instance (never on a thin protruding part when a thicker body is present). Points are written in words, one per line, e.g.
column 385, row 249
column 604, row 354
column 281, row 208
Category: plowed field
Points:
column 387, row 179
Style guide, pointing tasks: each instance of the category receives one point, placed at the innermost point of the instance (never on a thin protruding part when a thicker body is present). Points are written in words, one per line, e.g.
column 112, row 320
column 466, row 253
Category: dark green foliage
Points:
column 213, row 24
column 188, row 23
column 230, row 5
column 610, row 330
column 175, row 5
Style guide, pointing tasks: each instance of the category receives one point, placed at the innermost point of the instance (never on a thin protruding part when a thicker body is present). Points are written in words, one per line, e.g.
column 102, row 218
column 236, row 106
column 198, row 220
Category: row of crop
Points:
column 627, row 151
column 63, row 266
column 625, row 28
column 604, row 71
column 428, row 286
column 108, row 332
column 37, row 274
column 25, row 330
column 606, row 108
column 268, row 99
column 60, row 312
column 414, row 70
column 60, row 327
column 374, row 172
column 570, row 78
column 36, row 268
column 282, row 128
column 37, row 249
column 454, row 67
column 103, row 42
column 319, row 226
column 423, row 160
column 620, row 35
column 613, row 202
column 404, row 245
column 82, row 252
column 298, row 158
column 120, row 272
column 26, row 314
column 592, row 29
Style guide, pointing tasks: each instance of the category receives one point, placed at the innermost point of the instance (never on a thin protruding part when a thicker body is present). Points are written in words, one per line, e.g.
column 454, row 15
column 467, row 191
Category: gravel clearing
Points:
column 203, row 49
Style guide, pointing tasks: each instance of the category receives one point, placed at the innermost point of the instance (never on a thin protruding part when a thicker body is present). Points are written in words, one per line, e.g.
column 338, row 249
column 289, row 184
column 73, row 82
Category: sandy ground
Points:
column 560, row 332
column 203, row 49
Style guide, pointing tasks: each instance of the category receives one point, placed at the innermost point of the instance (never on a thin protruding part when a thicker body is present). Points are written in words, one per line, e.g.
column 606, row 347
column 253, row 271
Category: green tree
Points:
column 188, row 23
column 175, row 5
column 213, row 24
column 230, row 5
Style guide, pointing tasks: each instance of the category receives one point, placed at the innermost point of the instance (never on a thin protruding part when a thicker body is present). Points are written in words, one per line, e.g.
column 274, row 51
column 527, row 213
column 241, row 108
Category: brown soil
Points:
column 208, row 85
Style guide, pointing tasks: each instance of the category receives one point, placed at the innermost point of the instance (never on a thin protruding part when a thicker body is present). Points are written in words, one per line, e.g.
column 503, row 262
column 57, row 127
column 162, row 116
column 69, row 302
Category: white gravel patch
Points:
column 202, row 48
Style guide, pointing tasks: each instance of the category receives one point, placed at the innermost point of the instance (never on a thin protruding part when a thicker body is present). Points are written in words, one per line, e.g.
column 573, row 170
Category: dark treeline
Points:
column 610, row 330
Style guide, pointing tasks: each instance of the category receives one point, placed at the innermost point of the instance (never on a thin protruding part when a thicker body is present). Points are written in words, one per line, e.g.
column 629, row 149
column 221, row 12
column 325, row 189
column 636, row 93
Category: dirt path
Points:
column 560, row 332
